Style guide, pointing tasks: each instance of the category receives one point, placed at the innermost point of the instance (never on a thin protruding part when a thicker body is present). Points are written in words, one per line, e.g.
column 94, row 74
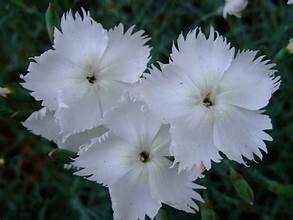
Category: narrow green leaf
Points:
column 52, row 21
column 241, row 186
column 162, row 215
column 282, row 54
column 280, row 189
column 7, row 113
column 266, row 217
column 207, row 212
column 61, row 155
column 20, row 115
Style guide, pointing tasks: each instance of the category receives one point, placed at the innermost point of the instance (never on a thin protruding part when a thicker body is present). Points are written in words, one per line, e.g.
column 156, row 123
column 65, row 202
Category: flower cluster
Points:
column 148, row 137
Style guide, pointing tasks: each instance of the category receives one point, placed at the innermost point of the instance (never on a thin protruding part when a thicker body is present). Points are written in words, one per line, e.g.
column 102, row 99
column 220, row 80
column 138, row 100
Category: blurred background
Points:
column 36, row 186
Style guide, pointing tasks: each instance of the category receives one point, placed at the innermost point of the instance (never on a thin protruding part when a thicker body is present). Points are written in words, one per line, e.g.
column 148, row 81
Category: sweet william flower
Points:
column 132, row 161
column 87, row 71
column 234, row 7
column 44, row 123
column 213, row 99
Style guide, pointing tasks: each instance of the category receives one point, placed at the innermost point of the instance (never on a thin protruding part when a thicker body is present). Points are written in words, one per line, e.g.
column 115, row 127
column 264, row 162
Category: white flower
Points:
column 234, row 7
column 213, row 99
column 87, row 71
column 133, row 163
column 290, row 1
column 290, row 46
column 5, row 92
column 43, row 123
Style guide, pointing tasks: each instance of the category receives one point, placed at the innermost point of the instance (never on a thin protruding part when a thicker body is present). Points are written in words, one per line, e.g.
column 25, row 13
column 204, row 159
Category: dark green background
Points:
column 34, row 186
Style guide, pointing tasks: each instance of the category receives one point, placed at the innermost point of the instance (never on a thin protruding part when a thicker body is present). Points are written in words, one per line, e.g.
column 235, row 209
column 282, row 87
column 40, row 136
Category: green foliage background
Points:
column 34, row 186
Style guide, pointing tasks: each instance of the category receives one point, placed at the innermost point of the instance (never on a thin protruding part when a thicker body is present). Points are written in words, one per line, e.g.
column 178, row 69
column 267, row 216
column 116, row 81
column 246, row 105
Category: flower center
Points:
column 207, row 102
column 144, row 157
column 91, row 79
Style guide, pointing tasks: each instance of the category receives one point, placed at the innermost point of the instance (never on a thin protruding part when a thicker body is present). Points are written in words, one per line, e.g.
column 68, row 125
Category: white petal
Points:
column 43, row 123
column 111, row 93
column 174, row 189
column 103, row 160
column 76, row 141
column 249, row 82
column 162, row 141
column 203, row 59
column 132, row 200
column 126, row 56
column 80, row 110
column 168, row 94
column 193, row 139
column 81, row 39
column 47, row 75
column 133, row 122
column 239, row 132
column 198, row 170
column 83, row 105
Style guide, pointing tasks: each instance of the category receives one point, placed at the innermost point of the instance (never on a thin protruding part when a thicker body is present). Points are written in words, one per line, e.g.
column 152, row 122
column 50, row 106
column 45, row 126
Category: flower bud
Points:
column 52, row 21
column 290, row 46
column 5, row 92
column 241, row 186
column 2, row 162
column 234, row 7
column 207, row 211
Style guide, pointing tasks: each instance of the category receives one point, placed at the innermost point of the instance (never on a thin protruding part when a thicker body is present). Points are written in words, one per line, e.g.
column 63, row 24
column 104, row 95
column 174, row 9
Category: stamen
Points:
column 91, row 78
column 144, row 157
column 207, row 102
